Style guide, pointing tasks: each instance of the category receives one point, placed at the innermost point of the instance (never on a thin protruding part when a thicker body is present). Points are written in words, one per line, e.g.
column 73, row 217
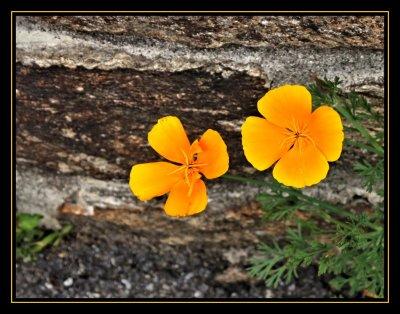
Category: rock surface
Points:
column 160, row 259
column 359, row 66
column 216, row 31
column 88, row 89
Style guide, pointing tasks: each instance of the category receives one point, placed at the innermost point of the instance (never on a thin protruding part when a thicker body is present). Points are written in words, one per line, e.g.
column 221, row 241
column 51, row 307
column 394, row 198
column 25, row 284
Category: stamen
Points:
column 298, row 143
column 306, row 125
column 187, row 176
column 292, row 137
column 186, row 156
column 309, row 138
column 197, row 165
column 288, row 132
column 297, row 125
column 177, row 170
column 191, row 188
column 296, row 129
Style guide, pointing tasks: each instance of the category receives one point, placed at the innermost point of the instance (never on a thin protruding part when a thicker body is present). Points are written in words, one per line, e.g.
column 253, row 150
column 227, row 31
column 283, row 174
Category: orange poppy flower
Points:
column 301, row 142
column 181, row 177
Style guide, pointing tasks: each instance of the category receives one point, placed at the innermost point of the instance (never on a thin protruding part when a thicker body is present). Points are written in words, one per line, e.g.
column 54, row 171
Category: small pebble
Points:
column 198, row 294
column 292, row 287
column 54, row 101
column 126, row 283
column 48, row 285
column 268, row 294
column 188, row 277
column 68, row 282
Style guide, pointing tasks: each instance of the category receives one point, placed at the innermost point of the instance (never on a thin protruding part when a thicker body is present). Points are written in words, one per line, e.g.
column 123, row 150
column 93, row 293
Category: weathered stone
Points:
column 232, row 275
column 102, row 129
column 48, row 192
column 216, row 31
column 359, row 67
column 109, row 260
column 96, row 122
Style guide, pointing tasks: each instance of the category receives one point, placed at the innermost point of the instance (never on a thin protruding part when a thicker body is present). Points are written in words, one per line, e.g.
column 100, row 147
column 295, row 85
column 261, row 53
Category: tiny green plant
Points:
column 346, row 245
column 31, row 238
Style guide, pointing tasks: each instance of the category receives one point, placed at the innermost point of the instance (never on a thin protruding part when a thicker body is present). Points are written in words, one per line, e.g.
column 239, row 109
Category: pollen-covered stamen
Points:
column 298, row 142
column 193, row 176
column 191, row 188
column 288, row 140
column 191, row 173
column 197, row 165
column 186, row 157
column 295, row 126
column 288, row 132
column 296, row 134
column 307, row 137
column 190, row 170
column 187, row 176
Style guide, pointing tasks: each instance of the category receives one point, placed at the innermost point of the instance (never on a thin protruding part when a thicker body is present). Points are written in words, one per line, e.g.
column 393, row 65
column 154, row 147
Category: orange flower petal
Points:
column 181, row 202
column 288, row 106
column 263, row 142
column 195, row 148
column 303, row 165
column 168, row 138
column 153, row 179
column 326, row 130
column 213, row 156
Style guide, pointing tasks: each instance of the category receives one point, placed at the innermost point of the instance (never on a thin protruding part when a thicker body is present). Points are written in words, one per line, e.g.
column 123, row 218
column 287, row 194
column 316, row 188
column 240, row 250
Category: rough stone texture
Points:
column 88, row 90
column 52, row 191
column 95, row 122
column 360, row 68
column 158, row 258
column 249, row 31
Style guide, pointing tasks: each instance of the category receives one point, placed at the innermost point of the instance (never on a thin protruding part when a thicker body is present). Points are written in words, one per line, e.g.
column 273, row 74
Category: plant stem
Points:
column 363, row 146
column 245, row 180
column 309, row 199
column 360, row 128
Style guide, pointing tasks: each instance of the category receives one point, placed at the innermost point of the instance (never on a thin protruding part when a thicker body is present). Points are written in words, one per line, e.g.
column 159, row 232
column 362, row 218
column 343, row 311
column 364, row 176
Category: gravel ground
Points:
column 102, row 259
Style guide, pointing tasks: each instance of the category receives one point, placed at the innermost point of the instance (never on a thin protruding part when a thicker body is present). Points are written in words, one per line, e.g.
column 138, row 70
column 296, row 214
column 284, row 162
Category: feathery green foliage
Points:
column 346, row 246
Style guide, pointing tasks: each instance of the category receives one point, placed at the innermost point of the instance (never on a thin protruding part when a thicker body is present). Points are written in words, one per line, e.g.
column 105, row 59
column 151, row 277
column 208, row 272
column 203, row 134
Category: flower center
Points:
column 190, row 170
column 295, row 135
